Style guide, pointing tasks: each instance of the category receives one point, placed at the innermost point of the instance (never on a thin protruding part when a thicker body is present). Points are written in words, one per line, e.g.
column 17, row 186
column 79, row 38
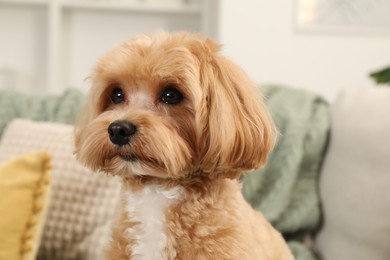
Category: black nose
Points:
column 120, row 132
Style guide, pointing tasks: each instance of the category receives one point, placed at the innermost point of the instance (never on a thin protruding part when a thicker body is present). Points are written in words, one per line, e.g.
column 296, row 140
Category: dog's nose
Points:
column 120, row 132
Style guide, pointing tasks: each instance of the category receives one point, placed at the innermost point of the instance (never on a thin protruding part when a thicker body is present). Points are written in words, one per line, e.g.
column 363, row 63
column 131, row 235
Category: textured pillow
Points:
column 24, row 193
column 82, row 203
column 355, row 179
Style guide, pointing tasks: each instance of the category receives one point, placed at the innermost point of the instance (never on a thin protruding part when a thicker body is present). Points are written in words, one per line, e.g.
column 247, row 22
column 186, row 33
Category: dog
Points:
column 179, row 124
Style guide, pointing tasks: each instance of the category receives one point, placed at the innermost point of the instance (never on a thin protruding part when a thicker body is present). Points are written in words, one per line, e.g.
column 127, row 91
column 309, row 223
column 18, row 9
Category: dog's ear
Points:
column 82, row 120
column 235, row 131
column 88, row 112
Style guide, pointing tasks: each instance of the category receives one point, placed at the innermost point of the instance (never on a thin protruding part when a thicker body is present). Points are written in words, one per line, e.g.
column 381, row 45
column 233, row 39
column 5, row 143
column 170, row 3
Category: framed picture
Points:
column 371, row 16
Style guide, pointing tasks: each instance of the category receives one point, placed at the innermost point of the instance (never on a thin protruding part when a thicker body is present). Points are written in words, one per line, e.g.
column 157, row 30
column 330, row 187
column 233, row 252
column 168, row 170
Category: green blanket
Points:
column 285, row 190
column 62, row 109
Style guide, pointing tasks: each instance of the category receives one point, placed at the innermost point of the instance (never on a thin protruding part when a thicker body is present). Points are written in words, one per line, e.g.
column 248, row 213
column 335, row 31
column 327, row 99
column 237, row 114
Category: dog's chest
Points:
column 148, row 207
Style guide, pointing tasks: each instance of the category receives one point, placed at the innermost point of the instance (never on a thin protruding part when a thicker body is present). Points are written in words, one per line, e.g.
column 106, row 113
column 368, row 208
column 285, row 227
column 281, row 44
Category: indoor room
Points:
column 287, row 100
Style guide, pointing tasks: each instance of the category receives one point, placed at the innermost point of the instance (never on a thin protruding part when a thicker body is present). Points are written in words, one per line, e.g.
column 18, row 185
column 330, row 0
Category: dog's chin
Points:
column 128, row 157
column 141, row 159
column 125, row 165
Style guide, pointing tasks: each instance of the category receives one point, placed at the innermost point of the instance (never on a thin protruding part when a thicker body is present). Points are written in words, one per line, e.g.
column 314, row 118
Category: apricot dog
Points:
column 179, row 124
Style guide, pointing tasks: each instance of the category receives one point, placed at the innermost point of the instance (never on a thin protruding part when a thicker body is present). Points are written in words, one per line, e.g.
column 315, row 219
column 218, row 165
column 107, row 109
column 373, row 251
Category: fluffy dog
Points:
column 179, row 124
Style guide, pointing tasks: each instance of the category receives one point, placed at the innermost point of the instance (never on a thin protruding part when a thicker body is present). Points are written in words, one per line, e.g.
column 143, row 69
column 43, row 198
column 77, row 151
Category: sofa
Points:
column 323, row 188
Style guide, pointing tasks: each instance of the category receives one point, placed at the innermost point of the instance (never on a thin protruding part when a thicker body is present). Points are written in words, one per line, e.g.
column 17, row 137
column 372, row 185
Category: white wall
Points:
column 260, row 36
column 22, row 47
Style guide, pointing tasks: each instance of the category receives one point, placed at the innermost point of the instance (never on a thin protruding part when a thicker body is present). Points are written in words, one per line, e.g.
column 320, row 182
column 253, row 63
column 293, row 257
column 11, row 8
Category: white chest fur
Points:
column 148, row 207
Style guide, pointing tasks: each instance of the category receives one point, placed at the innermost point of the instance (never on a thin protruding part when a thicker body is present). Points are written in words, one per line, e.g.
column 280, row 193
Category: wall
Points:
column 260, row 36
column 22, row 47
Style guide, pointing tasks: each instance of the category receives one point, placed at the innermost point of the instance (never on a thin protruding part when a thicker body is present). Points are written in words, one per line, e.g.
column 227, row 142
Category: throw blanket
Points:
column 62, row 109
column 285, row 190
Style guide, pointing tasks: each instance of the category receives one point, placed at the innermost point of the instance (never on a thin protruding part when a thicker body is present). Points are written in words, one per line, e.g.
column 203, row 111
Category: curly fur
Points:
column 200, row 146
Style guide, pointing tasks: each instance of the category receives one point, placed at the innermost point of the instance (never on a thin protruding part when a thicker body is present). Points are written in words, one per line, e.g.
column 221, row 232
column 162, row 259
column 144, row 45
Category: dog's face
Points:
column 168, row 106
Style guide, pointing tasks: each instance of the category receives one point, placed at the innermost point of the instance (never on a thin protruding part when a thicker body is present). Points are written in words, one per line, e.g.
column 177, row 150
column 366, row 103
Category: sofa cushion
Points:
column 355, row 180
column 24, row 193
column 81, row 204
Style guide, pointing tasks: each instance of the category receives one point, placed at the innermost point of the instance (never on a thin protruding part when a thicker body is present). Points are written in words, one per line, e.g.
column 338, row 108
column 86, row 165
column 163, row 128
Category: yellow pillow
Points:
column 24, row 195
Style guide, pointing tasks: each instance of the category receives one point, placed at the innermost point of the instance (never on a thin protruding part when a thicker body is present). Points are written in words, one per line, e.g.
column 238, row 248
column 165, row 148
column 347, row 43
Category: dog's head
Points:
column 169, row 106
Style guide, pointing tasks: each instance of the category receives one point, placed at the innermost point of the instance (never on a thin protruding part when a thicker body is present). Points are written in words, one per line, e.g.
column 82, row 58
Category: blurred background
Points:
column 325, row 186
column 51, row 45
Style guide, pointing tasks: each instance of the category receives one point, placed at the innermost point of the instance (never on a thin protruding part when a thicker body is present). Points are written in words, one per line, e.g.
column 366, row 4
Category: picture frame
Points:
column 343, row 16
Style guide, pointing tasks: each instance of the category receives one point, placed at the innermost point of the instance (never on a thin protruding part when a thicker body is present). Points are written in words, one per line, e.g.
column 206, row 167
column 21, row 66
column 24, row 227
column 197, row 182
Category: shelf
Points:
column 25, row 2
column 60, row 33
column 136, row 6
column 175, row 7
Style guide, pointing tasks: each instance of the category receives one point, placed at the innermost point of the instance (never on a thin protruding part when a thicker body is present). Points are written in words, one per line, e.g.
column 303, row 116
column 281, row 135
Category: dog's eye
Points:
column 171, row 96
column 117, row 96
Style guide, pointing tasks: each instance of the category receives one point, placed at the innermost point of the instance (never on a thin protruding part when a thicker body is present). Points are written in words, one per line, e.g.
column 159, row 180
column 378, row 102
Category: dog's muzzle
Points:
column 120, row 132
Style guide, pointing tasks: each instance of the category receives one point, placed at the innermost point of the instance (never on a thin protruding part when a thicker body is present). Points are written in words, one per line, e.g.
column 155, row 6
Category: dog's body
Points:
column 179, row 123
column 200, row 222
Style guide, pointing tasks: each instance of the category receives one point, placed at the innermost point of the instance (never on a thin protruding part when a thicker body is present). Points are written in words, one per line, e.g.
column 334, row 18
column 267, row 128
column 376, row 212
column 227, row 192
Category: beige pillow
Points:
column 81, row 204
column 355, row 181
